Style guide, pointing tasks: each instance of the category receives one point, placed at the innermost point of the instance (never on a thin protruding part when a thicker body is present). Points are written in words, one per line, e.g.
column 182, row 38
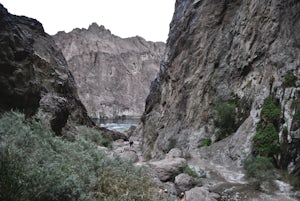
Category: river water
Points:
column 120, row 125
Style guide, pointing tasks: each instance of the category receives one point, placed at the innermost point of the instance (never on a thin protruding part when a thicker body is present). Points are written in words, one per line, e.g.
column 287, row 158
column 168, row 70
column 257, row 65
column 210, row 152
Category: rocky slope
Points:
column 226, row 53
column 34, row 75
column 113, row 74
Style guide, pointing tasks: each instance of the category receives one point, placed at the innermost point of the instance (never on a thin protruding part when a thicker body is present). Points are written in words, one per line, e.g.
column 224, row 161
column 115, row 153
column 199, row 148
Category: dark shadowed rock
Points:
column 113, row 74
column 34, row 74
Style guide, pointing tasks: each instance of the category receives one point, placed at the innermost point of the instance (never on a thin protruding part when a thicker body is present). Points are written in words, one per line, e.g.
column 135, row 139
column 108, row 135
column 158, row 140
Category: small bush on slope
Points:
column 225, row 118
column 36, row 165
column 259, row 169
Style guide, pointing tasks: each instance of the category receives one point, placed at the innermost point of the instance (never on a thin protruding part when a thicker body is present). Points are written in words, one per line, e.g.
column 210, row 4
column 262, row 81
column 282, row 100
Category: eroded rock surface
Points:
column 113, row 74
column 238, row 52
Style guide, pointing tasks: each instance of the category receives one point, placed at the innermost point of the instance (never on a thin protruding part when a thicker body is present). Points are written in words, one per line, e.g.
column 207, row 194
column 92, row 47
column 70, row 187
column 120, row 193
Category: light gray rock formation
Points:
column 234, row 52
column 113, row 74
column 220, row 51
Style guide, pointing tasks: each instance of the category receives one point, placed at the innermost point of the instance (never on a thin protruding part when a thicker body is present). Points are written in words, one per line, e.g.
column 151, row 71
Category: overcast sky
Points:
column 149, row 19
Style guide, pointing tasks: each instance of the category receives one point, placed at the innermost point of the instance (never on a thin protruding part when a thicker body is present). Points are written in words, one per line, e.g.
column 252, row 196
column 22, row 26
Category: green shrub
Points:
column 298, row 115
column 266, row 140
column 289, row 79
column 259, row 169
column 270, row 111
column 189, row 171
column 171, row 144
column 36, row 165
column 205, row 142
column 95, row 136
column 225, row 118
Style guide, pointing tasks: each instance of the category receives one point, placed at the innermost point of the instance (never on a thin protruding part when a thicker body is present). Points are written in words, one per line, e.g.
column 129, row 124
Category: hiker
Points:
column 182, row 196
column 130, row 143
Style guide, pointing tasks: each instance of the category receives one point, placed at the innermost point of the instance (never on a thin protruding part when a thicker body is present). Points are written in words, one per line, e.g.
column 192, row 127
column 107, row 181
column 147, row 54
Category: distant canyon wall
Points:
column 113, row 74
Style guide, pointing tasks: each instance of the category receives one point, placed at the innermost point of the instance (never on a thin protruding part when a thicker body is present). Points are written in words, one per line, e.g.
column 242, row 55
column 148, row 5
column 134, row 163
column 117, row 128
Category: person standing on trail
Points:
column 130, row 143
column 182, row 196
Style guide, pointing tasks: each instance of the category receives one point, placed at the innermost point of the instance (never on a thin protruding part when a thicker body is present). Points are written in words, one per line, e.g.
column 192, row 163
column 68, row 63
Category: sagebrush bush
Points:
column 289, row 79
column 36, row 165
column 259, row 169
column 205, row 142
column 266, row 140
column 270, row 112
column 225, row 115
column 94, row 136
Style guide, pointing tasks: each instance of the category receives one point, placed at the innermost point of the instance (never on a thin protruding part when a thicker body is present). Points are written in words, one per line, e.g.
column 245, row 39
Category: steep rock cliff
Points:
column 34, row 74
column 113, row 74
column 221, row 51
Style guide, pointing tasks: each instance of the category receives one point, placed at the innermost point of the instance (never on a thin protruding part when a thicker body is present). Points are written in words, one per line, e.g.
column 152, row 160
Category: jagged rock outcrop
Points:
column 113, row 74
column 34, row 74
column 222, row 52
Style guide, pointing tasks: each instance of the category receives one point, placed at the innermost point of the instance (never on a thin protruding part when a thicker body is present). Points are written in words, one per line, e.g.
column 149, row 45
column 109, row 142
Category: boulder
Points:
column 201, row 193
column 184, row 182
column 128, row 155
column 167, row 168
column 174, row 153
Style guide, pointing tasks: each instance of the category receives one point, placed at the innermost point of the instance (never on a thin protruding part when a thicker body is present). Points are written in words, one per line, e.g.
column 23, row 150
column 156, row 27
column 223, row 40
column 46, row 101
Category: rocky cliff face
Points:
column 235, row 52
column 34, row 75
column 113, row 74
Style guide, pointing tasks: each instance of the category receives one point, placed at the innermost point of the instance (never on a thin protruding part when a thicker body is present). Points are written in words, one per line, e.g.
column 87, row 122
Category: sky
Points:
column 149, row 19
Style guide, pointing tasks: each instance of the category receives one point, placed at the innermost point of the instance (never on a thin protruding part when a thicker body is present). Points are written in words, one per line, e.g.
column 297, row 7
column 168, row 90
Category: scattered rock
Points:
column 129, row 155
column 184, row 182
column 167, row 168
column 200, row 193
column 174, row 153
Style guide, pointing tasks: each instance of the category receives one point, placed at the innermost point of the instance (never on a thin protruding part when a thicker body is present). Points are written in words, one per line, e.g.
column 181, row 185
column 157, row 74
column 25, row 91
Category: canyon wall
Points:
column 34, row 75
column 113, row 74
column 227, row 52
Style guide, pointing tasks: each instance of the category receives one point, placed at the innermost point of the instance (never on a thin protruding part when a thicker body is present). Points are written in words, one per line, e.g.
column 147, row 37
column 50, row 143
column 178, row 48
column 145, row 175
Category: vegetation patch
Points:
column 205, row 142
column 266, row 140
column 187, row 170
column 259, row 169
column 37, row 165
column 298, row 115
column 171, row 144
column 270, row 111
column 225, row 118
column 289, row 79
column 94, row 136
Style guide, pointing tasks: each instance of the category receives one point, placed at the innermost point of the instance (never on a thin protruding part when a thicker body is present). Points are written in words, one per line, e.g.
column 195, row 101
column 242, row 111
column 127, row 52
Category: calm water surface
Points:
column 120, row 125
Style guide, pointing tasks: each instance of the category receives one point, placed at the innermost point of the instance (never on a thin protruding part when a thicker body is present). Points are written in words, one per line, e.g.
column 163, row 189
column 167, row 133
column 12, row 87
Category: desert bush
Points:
column 259, row 169
column 95, row 136
column 270, row 112
column 205, row 142
column 189, row 171
column 36, row 165
column 289, row 79
column 297, row 115
column 225, row 118
column 266, row 140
